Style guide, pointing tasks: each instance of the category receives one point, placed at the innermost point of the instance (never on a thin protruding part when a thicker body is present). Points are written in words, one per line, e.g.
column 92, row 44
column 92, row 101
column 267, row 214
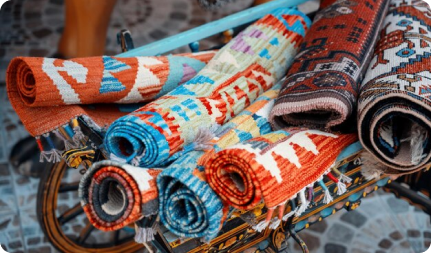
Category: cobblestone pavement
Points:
column 33, row 27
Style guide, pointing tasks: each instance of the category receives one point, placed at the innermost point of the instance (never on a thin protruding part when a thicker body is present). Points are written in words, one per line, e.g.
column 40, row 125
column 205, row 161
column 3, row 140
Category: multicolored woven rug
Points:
column 395, row 102
column 275, row 168
column 203, row 213
column 114, row 195
column 323, row 83
column 47, row 93
column 245, row 67
column 41, row 86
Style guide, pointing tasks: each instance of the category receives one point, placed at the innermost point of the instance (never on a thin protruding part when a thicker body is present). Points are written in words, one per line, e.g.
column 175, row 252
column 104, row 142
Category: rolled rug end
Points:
column 115, row 195
column 230, row 175
column 136, row 141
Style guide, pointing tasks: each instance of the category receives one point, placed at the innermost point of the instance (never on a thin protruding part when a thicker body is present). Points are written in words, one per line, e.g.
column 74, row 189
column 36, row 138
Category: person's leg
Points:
column 85, row 27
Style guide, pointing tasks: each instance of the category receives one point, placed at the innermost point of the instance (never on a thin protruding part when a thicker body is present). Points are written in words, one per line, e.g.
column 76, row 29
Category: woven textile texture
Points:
column 395, row 101
column 245, row 67
column 184, row 181
column 323, row 83
column 274, row 168
column 39, row 88
column 114, row 195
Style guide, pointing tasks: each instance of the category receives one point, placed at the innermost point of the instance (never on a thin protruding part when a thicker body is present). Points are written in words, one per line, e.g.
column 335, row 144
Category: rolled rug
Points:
column 114, row 195
column 322, row 85
column 48, row 94
column 275, row 168
column 249, row 64
column 188, row 206
column 394, row 110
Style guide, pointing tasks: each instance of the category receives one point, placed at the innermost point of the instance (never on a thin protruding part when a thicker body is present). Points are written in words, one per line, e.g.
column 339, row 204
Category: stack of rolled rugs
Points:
column 178, row 131
column 49, row 94
column 263, row 120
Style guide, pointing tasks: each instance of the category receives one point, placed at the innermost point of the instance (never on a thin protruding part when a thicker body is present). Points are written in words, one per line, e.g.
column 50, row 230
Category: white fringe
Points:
column 418, row 137
column 68, row 145
column 387, row 134
column 341, row 188
column 144, row 235
column 204, row 137
column 56, row 155
column 78, row 136
column 290, row 214
column 45, row 156
column 371, row 168
column 53, row 155
column 92, row 124
column 327, row 198
column 275, row 223
column 261, row 226
column 345, row 179
column 304, row 203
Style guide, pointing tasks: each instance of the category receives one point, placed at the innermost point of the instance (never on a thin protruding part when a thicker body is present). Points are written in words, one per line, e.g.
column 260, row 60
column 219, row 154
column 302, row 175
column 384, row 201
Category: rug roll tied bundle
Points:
column 395, row 103
column 114, row 195
column 275, row 168
column 322, row 85
column 184, row 181
column 243, row 69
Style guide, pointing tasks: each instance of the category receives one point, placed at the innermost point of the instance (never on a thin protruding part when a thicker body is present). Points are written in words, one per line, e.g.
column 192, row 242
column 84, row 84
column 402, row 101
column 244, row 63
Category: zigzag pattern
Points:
column 231, row 81
column 418, row 58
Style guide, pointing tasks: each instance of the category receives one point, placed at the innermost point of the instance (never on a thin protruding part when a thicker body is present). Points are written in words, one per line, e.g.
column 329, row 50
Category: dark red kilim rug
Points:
column 323, row 82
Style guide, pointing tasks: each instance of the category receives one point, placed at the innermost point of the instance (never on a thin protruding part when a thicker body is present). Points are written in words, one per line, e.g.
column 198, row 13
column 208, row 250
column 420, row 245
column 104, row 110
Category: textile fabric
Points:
column 395, row 102
column 40, row 88
column 114, row 195
column 323, row 83
column 245, row 67
column 184, row 181
column 275, row 167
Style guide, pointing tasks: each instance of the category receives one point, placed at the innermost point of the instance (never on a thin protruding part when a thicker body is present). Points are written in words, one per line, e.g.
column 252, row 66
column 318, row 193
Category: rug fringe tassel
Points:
column 310, row 194
column 304, row 203
column 371, row 168
column 288, row 215
column 144, row 235
column 203, row 138
column 327, row 198
column 275, row 223
column 53, row 155
column 68, row 145
column 341, row 188
column 78, row 136
column 418, row 138
column 264, row 224
column 261, row 226
column 56, row 155
column 44, row 156
column 343, row 178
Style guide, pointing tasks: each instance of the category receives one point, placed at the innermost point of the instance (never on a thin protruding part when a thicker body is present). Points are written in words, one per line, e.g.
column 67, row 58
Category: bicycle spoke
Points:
column 67, row 187
column 85, row 233
column 70, row 214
